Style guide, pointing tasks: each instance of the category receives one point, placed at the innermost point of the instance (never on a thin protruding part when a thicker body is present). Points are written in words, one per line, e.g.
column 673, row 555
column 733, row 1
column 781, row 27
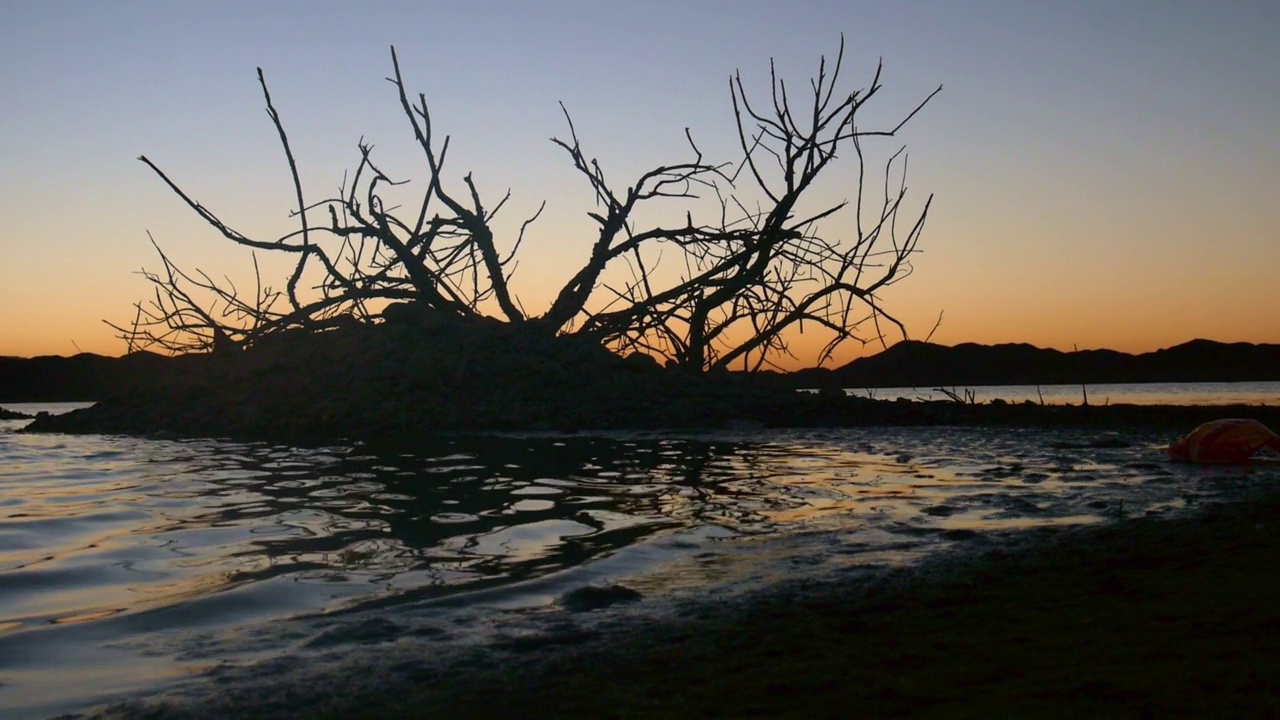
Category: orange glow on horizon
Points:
column 90, row 338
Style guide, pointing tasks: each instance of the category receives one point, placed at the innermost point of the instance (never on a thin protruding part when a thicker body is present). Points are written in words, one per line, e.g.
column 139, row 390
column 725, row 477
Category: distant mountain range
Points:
column 920, row 364
column 82, row 377
column 907, row 364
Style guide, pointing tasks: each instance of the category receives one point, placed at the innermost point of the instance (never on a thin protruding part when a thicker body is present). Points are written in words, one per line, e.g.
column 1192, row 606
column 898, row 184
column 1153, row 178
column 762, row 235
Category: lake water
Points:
column 130, row 566
column 1235, row 393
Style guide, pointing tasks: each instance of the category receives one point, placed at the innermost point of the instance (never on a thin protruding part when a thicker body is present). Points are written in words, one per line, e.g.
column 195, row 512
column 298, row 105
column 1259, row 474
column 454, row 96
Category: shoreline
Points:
column 719, row 409
column 1139, row 617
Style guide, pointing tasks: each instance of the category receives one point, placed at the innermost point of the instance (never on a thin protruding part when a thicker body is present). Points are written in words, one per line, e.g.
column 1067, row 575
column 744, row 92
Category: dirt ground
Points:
column 1141, row 618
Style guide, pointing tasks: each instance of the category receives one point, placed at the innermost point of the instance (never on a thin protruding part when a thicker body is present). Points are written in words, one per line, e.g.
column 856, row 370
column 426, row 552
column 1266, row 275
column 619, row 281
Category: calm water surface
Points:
column 1236, row 393
column 127, row 565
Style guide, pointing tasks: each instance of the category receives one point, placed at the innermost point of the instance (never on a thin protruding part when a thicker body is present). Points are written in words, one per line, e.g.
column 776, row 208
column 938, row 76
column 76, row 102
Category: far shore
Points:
column 87, row 376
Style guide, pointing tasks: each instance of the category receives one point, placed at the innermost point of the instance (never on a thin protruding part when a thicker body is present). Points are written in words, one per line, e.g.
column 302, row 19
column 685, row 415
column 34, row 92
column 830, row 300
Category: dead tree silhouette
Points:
column 725, row 282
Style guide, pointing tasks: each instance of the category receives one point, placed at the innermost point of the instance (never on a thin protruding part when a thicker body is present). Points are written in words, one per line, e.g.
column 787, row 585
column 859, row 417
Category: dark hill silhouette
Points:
column 919, row 364
column 87, row 376
column 83, row 377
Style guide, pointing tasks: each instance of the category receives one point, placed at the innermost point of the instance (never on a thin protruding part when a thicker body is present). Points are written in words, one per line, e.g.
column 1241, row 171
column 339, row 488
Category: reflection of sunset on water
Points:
column 200, row 518
column 189, row 552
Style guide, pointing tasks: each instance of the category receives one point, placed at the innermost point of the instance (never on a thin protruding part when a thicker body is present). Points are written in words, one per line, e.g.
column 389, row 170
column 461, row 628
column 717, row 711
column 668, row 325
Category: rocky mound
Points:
column 412, row 374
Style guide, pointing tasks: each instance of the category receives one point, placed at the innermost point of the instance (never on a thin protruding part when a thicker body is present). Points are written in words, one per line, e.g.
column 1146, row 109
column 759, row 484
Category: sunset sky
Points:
column 1106, row 174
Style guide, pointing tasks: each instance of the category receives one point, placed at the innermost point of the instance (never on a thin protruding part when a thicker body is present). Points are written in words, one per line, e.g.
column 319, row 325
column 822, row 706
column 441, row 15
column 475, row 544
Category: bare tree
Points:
column 754, row 266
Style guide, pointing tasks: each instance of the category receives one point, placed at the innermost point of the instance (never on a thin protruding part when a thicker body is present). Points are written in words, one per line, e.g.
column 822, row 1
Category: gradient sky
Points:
column 1106, row 173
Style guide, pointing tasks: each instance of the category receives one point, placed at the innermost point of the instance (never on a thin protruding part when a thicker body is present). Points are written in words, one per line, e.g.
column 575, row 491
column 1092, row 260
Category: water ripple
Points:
column 124, row 545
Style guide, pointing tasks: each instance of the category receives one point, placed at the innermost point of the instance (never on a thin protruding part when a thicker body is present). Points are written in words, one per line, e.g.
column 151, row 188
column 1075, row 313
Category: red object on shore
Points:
column 1231, row 440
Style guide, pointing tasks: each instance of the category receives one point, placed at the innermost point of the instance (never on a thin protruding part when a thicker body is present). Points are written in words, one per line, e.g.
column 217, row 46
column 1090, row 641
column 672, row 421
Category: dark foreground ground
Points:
column 1139, row 618
column 1145, row 619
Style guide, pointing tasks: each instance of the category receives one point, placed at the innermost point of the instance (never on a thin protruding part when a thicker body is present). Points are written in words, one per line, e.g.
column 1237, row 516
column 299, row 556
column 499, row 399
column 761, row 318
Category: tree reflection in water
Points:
column 468, row 512
column 460, row 511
